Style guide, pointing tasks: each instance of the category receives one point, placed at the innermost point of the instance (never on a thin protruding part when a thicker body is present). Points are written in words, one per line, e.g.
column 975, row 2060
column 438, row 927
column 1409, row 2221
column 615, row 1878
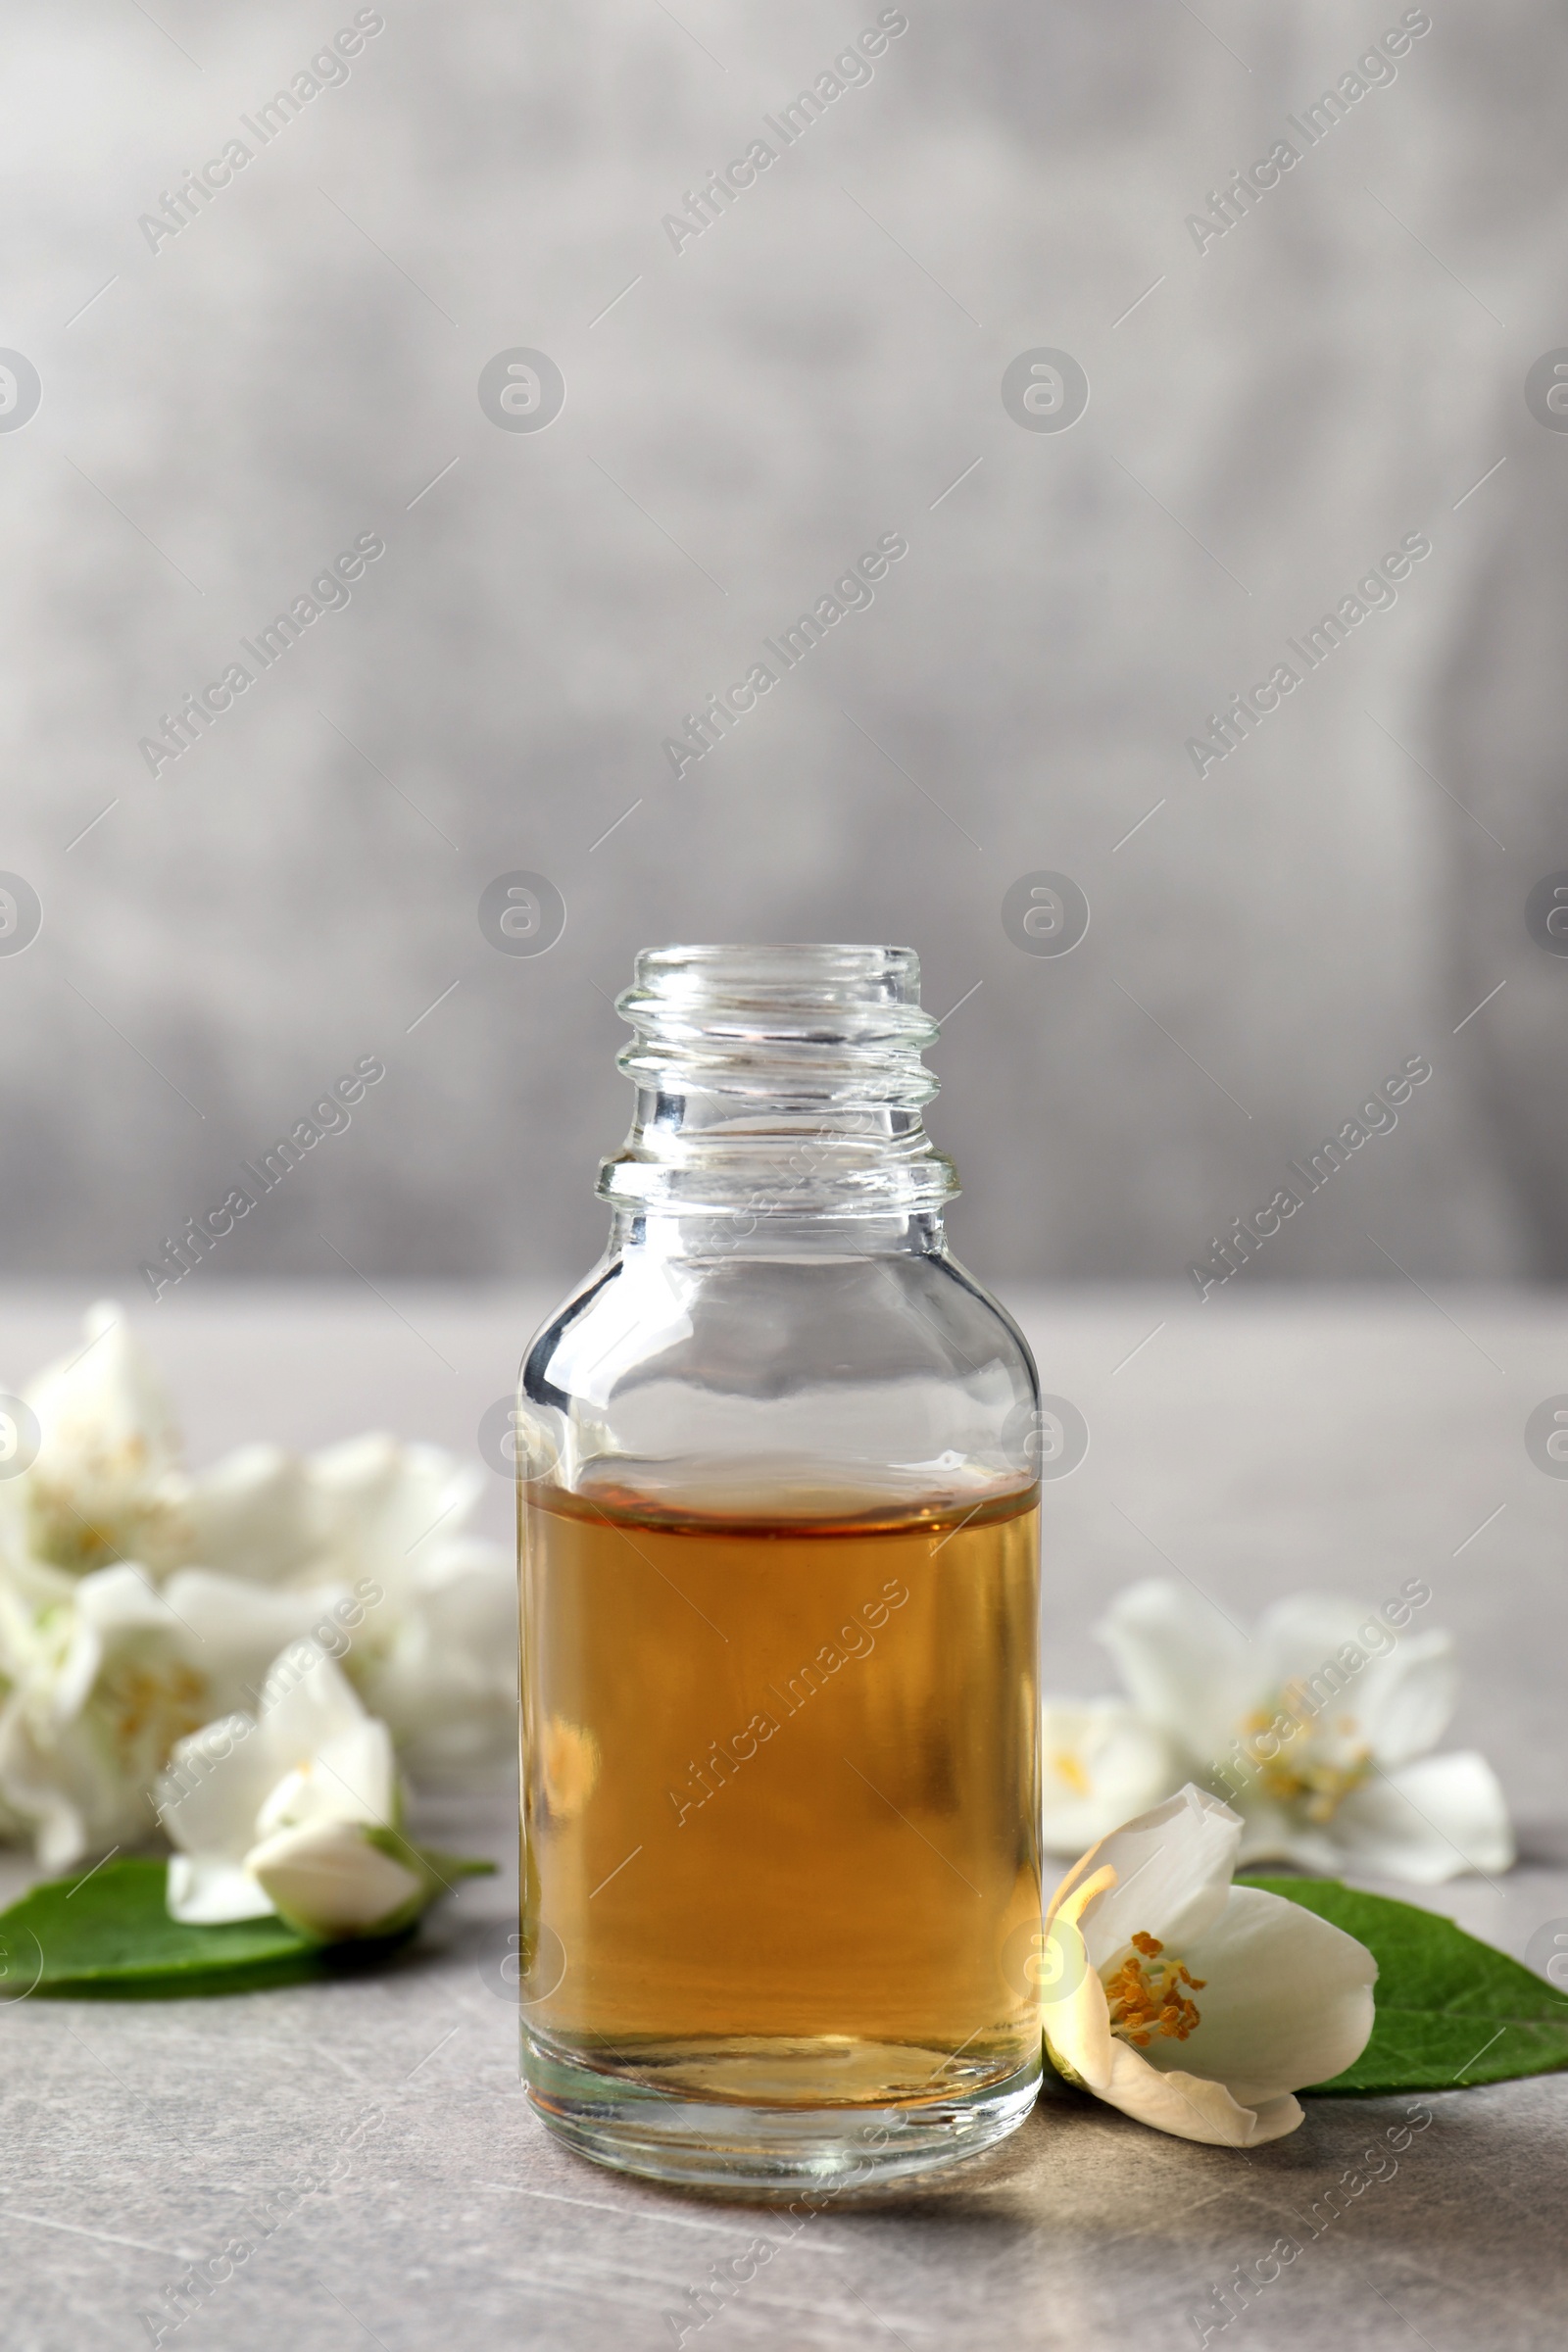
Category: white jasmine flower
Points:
column 1318, row 1729
column 360, row 1547
column 1188, row 2003
column 107, row 1483
column 340, row 1879
column 437, row 1656
column 254, row 1515
column 237, row 1628
column 103, row 1682
column 293, row 1810
column 1100, row 1763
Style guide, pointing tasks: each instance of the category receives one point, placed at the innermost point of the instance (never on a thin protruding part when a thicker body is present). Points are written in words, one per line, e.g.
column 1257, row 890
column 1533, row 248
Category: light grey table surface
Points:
column 1259, row 1445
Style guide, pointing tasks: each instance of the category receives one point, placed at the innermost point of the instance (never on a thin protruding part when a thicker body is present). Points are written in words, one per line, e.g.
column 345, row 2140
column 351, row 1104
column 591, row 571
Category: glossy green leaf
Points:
column 1450, row 2010
column 107, row 1936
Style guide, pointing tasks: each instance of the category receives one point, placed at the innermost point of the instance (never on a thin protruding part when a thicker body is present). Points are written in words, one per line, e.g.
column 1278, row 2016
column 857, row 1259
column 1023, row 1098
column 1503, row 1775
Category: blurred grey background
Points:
column 225, row 408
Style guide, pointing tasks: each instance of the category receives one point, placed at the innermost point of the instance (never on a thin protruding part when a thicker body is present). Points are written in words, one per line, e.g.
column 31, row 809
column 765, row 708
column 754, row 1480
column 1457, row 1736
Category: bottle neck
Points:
column 778, row 1089
column 699, row 1233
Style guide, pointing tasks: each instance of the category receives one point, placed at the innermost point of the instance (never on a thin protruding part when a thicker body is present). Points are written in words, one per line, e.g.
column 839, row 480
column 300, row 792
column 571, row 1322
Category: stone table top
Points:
column 1339, row 1440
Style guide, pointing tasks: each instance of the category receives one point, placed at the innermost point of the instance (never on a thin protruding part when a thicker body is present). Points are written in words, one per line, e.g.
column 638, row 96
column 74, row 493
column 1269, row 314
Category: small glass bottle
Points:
column 778, row 1549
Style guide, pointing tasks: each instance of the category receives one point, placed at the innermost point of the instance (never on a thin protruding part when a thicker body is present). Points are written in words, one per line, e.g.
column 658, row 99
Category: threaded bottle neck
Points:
column 778, row 1081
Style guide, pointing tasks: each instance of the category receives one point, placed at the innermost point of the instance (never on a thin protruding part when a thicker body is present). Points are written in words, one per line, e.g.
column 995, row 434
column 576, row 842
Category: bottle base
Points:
column 766, row 2151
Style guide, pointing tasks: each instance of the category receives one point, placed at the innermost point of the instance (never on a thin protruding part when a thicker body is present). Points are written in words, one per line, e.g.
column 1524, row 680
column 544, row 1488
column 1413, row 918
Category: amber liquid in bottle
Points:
column 780, row 1791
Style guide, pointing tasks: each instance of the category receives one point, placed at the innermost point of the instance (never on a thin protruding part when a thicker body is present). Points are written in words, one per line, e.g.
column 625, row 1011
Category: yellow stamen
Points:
column 1066, row 1767
column 1317, row 1787
column 1316, row 1774
column 148, row 1708
column 1143, row 2006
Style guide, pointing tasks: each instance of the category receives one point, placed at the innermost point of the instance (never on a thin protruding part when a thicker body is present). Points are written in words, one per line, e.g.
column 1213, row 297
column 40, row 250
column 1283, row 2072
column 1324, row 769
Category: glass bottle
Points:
column 777, row 1541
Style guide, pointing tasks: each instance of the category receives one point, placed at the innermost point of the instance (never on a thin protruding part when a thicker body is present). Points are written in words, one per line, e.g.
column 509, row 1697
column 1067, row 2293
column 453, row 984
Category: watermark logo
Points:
column 1546, row 390
column 20, row 1436
column 1547, row 914
column 19, row 1968
column 1045, row 913
column 20, row 915
column 513, row 1443
column 1044, row 390
column 851, row 69
column 522, row 390
column 1546, row 1437
column 522, row 913
column 21, row 391
column 182, row 1252
column 1546, row 1953
column 1239, row 718
column 328, row 69
column 720, row 714
column 1377, row 1116
column 328, row 592
column 1231, row 201
column 1064, row 1437
column 1043, row 1964
column 1052, row 1439
column 516, row 1977
column 499, row 1437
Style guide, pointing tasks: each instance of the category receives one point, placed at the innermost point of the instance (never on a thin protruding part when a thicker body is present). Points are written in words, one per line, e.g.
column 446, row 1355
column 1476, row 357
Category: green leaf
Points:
column 1451, row 2011
column 108, row 1937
